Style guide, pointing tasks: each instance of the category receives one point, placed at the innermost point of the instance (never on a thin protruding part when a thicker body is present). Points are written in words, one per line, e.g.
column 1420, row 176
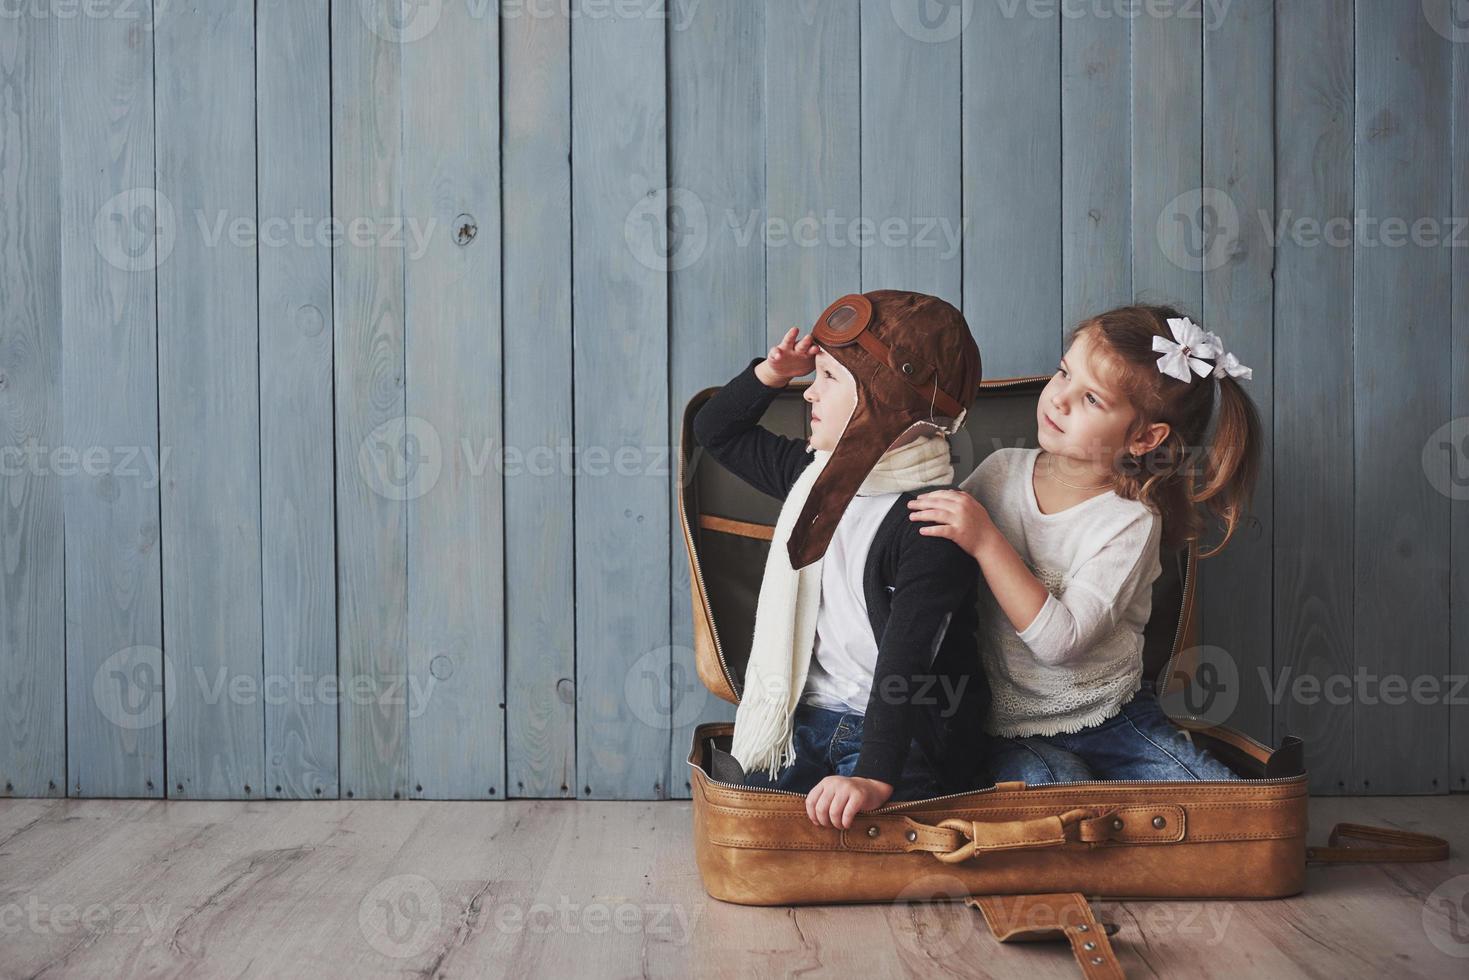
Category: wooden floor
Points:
column 125, row 888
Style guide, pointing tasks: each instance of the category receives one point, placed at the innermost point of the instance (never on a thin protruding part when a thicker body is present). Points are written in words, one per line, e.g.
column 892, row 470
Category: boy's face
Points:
column 1079, row 414
column 833, row 398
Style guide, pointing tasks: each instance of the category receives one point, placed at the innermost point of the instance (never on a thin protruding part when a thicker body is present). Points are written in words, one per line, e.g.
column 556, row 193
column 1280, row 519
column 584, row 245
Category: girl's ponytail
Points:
column 1231, row 459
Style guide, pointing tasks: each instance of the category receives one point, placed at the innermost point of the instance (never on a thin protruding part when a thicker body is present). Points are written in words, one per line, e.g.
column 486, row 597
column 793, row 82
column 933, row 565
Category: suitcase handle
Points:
column 981, row 836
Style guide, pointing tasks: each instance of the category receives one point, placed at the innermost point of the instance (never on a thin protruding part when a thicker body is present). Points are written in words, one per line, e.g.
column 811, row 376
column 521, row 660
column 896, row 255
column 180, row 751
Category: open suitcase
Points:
column 1027, row 857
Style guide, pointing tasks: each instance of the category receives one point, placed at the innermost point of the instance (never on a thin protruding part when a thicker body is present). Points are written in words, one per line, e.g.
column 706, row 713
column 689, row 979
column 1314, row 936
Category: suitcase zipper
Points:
column 990, row 789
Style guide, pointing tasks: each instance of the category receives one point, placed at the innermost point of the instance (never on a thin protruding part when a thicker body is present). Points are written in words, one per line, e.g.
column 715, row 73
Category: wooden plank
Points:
column 1313, row 489
column 208, row 402
column 812, row 163
column 620, row 361
column 1012, row 179
column 1096, row 166
column 1237, row 595
column 552, row 888
column 1171, row 243
column 456, row 599
column 113, row 236
column 298, row 527
column 812, row 199
column 540, row 661
column 912, row 186
column 1402, row 387
column 377, row 451
column 1459, row 465
column 32, row 566
column 717, row 101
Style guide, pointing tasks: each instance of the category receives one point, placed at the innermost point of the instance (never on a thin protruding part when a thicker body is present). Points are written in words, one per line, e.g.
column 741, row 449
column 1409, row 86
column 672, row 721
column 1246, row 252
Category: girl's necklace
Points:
column 1051, row 472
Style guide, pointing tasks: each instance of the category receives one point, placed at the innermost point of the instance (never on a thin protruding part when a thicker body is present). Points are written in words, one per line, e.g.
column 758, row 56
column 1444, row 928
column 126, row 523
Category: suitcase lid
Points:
column 728, row 525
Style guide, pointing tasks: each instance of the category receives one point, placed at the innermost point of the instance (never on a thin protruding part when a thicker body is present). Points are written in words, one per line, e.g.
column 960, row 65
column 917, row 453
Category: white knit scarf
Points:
column 785, row 617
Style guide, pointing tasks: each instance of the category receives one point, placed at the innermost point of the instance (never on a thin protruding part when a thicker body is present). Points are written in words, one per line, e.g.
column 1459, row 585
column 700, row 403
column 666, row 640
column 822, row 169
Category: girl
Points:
column 1067, row 537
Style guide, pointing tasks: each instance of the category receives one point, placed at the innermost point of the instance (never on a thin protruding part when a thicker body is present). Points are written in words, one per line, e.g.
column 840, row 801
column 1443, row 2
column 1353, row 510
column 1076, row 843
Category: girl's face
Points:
column 832, row 397
column 1080, row 416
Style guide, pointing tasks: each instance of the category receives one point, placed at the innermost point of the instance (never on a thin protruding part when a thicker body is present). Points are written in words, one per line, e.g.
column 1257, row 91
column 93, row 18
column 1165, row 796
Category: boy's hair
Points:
column 1164, row 478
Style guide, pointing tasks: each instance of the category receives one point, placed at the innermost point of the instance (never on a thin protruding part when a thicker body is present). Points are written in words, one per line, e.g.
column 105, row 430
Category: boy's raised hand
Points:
column 792, row 358
column 836, row 800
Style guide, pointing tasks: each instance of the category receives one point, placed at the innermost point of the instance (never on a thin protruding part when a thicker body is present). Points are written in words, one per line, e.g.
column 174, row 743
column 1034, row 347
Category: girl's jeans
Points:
column 1139, row 742
column 828, row 744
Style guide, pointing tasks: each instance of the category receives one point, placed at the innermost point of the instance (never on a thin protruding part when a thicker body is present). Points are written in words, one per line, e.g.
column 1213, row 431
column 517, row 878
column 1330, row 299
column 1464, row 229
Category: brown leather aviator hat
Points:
column 913, row 359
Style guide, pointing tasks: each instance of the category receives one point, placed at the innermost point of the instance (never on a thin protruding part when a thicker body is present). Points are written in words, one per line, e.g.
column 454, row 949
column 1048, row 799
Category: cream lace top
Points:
column 1080, row 659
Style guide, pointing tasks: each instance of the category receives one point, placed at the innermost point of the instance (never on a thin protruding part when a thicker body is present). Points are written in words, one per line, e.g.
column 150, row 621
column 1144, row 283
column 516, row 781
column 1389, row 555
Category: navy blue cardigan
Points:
column 911, row 582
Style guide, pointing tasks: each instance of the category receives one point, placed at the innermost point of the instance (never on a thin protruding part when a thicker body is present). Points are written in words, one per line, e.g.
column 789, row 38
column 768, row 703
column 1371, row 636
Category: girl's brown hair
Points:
column 1165, row 478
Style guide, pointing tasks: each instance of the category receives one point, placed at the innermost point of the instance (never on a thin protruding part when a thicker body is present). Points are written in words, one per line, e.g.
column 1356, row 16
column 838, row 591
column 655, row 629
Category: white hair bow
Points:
column 1183, row 356
column 1227, row 363
column 1187, row 348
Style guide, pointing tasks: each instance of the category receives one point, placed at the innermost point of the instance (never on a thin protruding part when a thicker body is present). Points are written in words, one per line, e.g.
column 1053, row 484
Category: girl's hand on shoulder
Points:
column 955, row 515
column 836, row 800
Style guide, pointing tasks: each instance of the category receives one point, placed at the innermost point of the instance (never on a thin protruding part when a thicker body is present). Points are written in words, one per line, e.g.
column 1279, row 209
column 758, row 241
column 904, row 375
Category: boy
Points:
column 863, row 684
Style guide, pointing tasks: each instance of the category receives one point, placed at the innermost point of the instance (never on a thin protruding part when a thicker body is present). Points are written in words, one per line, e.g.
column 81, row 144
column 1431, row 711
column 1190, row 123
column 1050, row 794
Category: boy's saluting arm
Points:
column 728, row 425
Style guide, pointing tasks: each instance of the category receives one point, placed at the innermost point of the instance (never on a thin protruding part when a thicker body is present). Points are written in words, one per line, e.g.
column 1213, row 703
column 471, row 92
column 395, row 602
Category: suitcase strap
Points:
column 1053, row 916
column 1068, row 915
column 1393, row 845
column 953, row 841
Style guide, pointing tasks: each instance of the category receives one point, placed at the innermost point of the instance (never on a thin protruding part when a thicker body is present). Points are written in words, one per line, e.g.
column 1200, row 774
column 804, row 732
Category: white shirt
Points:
column 1080, row 659
column 844, row 654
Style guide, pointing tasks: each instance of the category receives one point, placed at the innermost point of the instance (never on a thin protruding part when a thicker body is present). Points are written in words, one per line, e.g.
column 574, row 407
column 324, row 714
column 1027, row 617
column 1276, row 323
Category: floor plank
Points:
column 609, row 888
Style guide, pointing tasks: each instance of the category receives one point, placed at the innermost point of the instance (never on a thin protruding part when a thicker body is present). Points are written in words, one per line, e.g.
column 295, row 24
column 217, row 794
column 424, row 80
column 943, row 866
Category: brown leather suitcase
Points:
column 1027, row 856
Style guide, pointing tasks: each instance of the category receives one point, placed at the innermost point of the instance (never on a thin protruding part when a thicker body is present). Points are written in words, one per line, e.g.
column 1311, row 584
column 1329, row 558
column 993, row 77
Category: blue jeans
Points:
column 1139, row 742
column 828, row 743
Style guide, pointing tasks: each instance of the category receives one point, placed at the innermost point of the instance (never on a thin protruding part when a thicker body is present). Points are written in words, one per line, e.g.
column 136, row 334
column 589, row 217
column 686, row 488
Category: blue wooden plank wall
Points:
column 344, row 345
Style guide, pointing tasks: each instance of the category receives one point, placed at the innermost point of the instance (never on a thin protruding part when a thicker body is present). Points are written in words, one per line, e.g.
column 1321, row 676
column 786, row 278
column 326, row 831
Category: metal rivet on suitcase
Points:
column 912, row 835
column 1116, row 823
column 1096, row 961
column 1083, row 927
column 1159, row 822
column 872, row 831
column 1088, row 945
